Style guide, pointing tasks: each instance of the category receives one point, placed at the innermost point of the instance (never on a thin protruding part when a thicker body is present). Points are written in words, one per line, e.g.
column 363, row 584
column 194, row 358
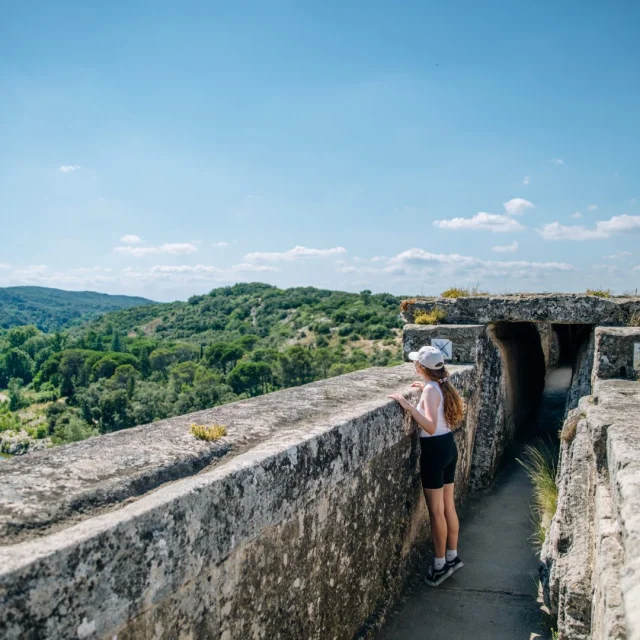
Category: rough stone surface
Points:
column 590, row 566
column 464, row 338
column 581, row 378
column 559, row 308
column 310, row 533
column 614, row 352
column 51, row 489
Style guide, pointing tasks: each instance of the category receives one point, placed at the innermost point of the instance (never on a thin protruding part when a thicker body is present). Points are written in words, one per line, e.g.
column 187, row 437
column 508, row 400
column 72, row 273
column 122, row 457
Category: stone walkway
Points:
column 494, row 596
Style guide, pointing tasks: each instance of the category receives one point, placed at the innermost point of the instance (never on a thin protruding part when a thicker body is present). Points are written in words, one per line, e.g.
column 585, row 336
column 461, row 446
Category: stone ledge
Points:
column 52, row 489
column 559, row 308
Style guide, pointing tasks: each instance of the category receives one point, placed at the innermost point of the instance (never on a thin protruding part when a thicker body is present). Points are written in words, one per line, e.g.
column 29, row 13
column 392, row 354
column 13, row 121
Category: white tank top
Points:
column 441, row 427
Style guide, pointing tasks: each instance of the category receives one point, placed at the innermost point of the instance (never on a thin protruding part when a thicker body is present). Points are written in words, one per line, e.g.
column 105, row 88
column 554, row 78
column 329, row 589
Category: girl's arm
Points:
column 427, row 423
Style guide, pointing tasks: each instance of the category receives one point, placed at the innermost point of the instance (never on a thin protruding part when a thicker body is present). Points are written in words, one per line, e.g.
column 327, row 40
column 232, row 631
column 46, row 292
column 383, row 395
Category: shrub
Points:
column 455, row 292
column 210, row 432
column 600, row 293
column 541, row 464
column 635, row 320
column 435, row 316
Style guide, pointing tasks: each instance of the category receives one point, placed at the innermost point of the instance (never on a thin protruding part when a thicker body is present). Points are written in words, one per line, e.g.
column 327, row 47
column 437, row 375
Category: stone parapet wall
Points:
column 307, row 531
column 591, row 557
column 558, row 308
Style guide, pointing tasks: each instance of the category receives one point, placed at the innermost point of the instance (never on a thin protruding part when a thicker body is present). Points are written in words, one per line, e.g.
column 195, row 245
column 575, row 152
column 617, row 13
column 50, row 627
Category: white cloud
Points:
column 172, row 248
column 576, row 215
column 4, row 266
column 220, row 244
column 609, row 268
column 68, row 168
column 592, row 207
column 603, row 229
column 295, row 254
column 618, row 255
column 130, row 239
column 556, row 161
column 517, row 206
column 633, row 201
column 482, row 222
column 506, row 248
column 526, row 180
column 636, row 268
column 253, row 268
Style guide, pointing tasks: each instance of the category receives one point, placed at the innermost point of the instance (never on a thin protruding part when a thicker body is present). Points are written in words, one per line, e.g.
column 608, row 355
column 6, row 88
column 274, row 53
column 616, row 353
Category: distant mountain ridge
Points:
column 53, row 309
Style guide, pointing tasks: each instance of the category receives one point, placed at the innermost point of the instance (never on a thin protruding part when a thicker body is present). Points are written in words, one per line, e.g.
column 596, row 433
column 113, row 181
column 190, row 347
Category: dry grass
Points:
column 435, row 316
column 208, row 432
column 635, row 320
column 541, row 464
column 568, row 431
column 599, row 293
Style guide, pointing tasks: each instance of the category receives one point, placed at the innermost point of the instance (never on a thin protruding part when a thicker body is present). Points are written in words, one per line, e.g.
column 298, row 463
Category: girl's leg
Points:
column 435, row 504
column 451, row 517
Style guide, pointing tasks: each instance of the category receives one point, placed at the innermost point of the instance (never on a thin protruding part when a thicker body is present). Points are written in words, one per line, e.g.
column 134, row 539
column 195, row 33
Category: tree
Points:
column 296, row 366
column 250, row 377
column 115, row 343
column 71, row 365
column 159, row 360
column 17, row 336
column 18, row 364
column 16, row 399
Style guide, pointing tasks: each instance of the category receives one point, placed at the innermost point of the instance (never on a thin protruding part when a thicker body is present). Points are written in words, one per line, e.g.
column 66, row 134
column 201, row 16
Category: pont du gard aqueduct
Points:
column 307, row 520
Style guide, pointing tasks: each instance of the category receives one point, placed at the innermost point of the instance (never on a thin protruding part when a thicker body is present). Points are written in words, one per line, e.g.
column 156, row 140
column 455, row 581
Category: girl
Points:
column 439, row 411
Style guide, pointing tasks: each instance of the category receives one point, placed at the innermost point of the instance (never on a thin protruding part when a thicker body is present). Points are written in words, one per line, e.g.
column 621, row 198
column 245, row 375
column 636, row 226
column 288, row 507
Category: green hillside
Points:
column 52, row 309
column 146, row 363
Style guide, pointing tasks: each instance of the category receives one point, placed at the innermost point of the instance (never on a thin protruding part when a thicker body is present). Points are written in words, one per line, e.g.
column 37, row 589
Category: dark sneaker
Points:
column 455, row 564
column 435, row 576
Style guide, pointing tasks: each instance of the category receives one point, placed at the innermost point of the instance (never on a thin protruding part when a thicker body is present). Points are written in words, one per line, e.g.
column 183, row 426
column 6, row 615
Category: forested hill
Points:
column 53, row 309
column 146, row 363
column 276, row 316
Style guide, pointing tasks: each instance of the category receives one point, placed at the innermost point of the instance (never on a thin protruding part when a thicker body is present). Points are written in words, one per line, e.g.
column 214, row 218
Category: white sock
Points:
column 438, row 563
column 452, row 555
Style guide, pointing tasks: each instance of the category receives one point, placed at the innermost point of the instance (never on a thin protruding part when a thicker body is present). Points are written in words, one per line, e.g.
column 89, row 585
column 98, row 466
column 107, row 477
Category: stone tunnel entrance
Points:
column 494, row 598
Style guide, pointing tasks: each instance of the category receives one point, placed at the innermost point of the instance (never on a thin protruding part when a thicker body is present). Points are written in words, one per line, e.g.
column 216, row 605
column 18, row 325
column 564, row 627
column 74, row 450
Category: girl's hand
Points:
column 400, row 399
column 418, row 385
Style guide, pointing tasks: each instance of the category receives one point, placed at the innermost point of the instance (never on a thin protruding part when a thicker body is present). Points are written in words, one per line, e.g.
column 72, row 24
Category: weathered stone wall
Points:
column 464, row 337
column 558, row 308
column 306, row 531
column 590, row 561
column 614, row 352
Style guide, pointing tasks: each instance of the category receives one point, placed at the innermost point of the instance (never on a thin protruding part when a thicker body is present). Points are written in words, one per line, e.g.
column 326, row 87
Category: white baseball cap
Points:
column 428, row 357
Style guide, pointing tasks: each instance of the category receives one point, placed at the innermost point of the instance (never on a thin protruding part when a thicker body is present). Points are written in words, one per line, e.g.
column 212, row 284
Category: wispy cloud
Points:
column 526, row 180
column 556, row 161
column 296, row 253
column 576, row 215
column 4, row 266
column 618, row 255
column 602, row 229
column 68, row 168
column 506, row 248
column 220, row 244
column 130, row 239
column 608, row 268
column 592, row 207
column 481, row 222
column 517, row 206
column 171, row 248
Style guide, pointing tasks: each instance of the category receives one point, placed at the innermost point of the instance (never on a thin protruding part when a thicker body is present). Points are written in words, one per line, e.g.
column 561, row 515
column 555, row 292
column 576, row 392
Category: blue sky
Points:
column 164, row 149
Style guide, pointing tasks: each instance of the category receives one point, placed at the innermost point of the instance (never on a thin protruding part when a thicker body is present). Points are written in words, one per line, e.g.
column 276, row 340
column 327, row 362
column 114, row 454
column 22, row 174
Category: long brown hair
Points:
column 453, row 403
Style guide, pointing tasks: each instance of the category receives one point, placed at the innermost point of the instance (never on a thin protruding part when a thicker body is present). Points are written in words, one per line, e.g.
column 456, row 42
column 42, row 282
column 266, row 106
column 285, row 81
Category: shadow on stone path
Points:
column 494, row 597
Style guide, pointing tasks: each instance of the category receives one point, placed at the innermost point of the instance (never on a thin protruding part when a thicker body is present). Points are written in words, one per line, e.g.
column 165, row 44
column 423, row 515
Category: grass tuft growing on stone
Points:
column 635, row 320
column 435, row 316
column 600, row 293
column 210, row 432
column 455, row 292
column 541, row 464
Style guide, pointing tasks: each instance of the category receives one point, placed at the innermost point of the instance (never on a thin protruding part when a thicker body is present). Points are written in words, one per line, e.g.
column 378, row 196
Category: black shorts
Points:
column 438, row 457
